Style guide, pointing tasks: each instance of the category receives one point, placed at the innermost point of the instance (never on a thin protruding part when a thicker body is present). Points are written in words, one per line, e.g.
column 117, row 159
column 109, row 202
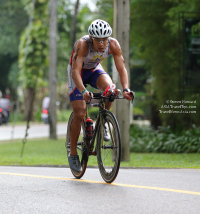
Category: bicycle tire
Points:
column 82, row 148
column 109, row 156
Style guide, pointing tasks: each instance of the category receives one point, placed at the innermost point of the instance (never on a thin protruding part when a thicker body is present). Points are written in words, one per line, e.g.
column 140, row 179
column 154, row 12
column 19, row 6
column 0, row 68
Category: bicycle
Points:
column 108, row 152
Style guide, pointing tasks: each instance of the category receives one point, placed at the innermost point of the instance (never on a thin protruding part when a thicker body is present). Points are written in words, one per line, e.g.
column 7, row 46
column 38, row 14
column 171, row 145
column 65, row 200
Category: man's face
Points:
column 99, row 44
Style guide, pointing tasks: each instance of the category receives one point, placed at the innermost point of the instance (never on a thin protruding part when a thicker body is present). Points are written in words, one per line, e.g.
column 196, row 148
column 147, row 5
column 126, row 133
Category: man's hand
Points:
column 87, row 96
column 129, row 95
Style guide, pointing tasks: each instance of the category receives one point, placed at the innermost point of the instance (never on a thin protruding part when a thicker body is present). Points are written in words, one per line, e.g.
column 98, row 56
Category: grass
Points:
column 52, row 152
column 162, row 160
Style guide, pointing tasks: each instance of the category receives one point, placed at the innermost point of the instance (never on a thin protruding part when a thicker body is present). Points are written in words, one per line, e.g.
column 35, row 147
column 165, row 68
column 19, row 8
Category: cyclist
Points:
column 85, row 68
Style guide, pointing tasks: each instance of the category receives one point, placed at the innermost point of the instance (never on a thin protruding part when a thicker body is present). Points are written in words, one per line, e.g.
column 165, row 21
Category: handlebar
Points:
column 110, row 96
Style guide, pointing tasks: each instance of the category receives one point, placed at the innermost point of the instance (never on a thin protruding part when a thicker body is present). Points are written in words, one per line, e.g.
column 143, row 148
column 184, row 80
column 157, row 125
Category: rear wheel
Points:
column 82, row 149
column 109, row 152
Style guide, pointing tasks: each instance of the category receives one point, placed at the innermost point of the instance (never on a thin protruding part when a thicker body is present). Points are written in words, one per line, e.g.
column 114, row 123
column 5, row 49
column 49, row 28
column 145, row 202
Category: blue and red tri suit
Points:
column 91, row 69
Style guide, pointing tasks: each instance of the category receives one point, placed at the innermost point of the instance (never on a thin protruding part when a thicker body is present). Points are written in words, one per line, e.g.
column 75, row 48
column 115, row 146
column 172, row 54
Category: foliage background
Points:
column 154, row 52
column 154, row 58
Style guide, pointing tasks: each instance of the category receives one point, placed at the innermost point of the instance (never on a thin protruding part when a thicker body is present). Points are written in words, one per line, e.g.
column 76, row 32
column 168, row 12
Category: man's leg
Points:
column 102, row 83
column 79, row 109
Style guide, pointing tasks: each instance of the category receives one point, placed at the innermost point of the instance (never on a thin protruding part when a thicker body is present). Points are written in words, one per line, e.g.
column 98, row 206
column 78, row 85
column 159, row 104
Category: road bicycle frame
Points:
column 108, row 151
column 99, row 122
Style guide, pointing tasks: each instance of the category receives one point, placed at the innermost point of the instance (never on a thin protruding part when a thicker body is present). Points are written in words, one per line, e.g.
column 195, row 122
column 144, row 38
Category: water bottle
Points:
column 89, row 128
column 110, row 87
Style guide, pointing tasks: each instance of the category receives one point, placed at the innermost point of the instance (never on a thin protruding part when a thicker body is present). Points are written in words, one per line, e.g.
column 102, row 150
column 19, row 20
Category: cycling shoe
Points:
column 74, row 163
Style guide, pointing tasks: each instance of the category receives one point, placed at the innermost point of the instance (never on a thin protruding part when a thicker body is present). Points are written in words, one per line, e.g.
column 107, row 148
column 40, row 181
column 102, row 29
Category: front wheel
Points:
column 82, row 149
column 109, row 151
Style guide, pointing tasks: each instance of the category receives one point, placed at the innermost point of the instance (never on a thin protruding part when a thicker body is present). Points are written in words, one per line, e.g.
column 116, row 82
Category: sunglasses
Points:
column 102, row 40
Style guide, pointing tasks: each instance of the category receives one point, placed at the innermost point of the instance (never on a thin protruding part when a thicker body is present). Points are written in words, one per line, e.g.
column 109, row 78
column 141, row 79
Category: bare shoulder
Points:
column 81, row 46
column 114, row 46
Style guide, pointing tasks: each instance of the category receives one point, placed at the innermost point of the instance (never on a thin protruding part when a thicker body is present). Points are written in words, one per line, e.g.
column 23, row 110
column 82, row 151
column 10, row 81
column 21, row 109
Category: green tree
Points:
column 63, row 39
column 13, row 20
column 33, row 50
column 154, row 33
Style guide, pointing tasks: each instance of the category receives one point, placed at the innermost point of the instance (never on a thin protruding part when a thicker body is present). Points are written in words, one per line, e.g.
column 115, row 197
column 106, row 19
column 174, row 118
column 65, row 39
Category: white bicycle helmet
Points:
column 99, row 29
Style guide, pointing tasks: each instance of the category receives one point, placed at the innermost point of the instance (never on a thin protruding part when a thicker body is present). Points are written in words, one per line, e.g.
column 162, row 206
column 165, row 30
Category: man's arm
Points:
column 77, row 62
column 115, row 50
column 81, row 50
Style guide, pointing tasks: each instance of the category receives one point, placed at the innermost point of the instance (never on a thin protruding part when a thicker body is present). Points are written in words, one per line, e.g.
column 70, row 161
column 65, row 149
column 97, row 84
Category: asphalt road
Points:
column 53, row 190
column 35, row 131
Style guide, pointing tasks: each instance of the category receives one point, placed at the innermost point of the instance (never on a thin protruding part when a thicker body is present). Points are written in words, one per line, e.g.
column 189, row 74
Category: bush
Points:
column 63, row 116
column 15, row 117
column 137, row 110
column 37, row 116
column 146, row 139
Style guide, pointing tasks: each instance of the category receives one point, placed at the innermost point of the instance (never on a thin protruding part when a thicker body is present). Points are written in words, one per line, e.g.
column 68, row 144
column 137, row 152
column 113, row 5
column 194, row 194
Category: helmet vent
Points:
column 99, row 29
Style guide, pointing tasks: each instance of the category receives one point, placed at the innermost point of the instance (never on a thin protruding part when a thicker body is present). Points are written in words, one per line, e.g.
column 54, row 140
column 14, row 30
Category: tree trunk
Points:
column 73, row 27
column 29, row 99
column 52, row 69
column 122, row 107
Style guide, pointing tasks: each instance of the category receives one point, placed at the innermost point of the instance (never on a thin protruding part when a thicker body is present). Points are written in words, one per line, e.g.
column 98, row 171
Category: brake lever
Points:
column 91, row 96
column 133, row 95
